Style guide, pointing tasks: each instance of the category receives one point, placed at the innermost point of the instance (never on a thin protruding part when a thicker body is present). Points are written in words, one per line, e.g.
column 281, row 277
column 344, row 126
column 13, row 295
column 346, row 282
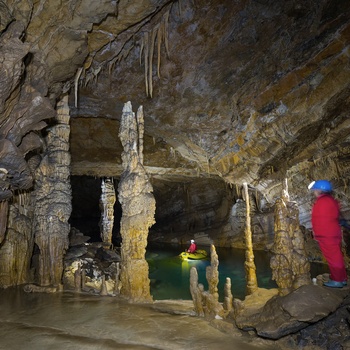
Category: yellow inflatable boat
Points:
column 198, row 255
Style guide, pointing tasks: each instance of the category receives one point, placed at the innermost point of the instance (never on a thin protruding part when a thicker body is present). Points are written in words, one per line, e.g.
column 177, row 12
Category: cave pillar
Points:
column 107, row 200
column 53, row 200
column 250, row 268
column 289, row 264
column 138, row 208
column 16, row 250
column 4, row 207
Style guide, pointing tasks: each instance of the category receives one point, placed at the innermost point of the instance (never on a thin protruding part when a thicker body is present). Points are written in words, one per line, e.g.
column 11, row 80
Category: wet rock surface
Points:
column 305, row 311
column 81, row 321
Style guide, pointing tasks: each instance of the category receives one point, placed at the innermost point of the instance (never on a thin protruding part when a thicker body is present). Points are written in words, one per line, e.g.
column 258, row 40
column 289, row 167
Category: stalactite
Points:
column 160, row 35
column 76, row 84
column 141, row 131
column 146, row 55
column 153, row 35
column 156, row 36
column 252, row 284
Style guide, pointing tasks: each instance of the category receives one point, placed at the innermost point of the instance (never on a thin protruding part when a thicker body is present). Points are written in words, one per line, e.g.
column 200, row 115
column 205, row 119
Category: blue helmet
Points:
column 322, row 185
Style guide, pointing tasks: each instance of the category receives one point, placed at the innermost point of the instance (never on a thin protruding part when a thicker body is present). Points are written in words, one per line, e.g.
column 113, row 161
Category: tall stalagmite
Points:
column 138, row 207
column 290, row 265
column 107, row 201
column 250, row 269
column 53, row 200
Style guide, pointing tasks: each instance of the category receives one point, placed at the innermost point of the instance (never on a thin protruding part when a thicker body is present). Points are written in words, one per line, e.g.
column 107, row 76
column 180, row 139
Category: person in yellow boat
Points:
column 193, row 247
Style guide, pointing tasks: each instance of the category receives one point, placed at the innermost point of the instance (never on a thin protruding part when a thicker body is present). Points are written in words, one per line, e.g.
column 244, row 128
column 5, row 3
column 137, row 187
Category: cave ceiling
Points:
column 248, row 91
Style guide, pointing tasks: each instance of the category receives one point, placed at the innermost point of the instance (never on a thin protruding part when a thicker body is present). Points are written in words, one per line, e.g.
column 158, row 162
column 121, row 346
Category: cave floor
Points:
column 81, row 321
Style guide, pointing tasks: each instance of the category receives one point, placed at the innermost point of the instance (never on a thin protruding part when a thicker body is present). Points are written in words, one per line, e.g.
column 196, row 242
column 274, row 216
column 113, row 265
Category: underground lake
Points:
column 170, row 275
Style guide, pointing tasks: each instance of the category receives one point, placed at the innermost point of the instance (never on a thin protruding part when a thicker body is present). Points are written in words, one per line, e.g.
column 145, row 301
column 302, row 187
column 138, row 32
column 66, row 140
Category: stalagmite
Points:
column 103, row 291
column 138, row 207
column 196, row 292
column 290, row 266
column 107, row 200
column 250, row 269
column 83, row 279
column 53, row 200
column 212, row 304
column 77, row 279
column 16, row 249
column 117, row 284
column 207, row 302
column 228, row 298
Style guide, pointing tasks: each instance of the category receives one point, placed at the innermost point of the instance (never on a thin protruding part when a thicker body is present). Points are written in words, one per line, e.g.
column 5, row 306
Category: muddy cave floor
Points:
column 68, row 320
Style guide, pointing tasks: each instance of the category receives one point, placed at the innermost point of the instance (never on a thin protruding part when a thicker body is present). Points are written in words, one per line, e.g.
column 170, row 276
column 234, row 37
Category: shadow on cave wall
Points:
column 86, row 214
column 182, row 208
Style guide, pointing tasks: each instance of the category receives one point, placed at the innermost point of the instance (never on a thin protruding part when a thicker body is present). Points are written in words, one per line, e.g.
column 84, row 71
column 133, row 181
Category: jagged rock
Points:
column 76, row 252
column 77, row 238
column 288, row 314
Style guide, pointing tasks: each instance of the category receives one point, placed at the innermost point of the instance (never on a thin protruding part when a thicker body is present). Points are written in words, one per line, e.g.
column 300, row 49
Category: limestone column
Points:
column 107, row 200
column 290, row 266
column 250, row 268
column 16, row 250
column 53, row 200
column 138, row 207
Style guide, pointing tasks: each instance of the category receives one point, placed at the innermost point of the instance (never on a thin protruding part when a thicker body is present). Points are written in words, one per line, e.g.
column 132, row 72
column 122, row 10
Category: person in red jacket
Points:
column 327, row 231
column 193, row 247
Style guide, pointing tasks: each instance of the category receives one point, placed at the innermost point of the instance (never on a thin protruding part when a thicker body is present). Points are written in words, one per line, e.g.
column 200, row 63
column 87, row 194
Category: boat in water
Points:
column 197, row 255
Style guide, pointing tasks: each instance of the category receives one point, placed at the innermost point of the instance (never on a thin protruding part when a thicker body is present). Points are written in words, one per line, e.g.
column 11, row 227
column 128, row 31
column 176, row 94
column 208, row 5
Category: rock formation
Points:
column 206, row 303
column 107, row 200
column 138, row 206
column 252, row 283
column 290, row 265
column 236, row 91
column 53, row 200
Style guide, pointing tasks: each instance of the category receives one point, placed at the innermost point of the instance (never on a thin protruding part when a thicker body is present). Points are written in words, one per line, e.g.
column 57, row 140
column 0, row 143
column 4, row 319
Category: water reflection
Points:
column 170, row 275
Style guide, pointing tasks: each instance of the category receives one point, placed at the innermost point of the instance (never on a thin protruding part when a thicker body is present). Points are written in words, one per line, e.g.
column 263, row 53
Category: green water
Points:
column 170, row 275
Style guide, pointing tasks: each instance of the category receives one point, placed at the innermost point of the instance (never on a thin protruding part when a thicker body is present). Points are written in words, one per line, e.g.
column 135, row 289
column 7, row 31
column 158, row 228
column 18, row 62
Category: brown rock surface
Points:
column 233, row 91
column 288, row 314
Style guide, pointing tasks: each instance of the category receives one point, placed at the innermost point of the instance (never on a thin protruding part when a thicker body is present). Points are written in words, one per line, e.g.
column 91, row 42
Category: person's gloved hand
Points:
column 344, row 223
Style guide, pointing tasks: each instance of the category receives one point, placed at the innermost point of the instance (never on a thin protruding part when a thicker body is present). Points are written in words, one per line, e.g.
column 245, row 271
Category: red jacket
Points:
column 192, row 248
column 325, row 217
